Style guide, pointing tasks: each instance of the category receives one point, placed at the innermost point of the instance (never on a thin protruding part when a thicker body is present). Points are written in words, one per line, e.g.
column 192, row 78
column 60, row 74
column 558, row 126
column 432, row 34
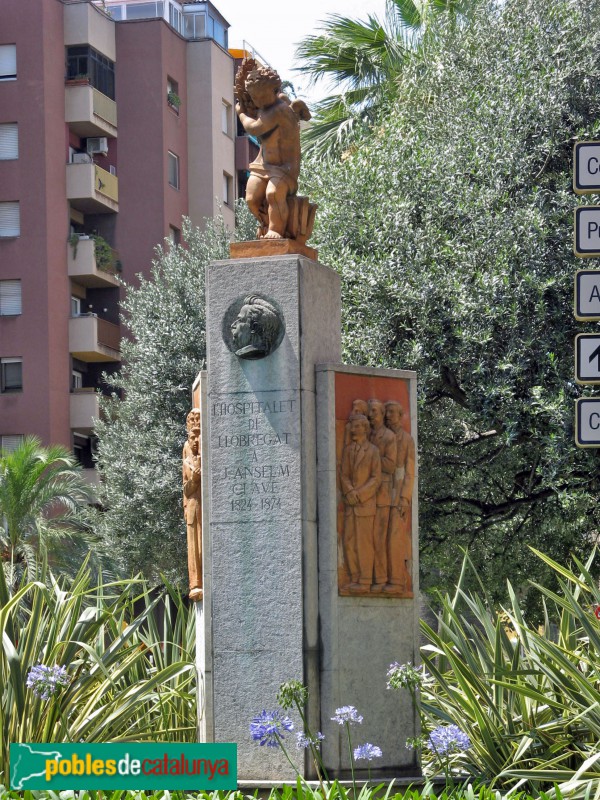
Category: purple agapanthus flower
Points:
column 346, row 714
column 367, row 751
column 269, row 727
column 303, row 741
column 45, row 682
column 447, row 739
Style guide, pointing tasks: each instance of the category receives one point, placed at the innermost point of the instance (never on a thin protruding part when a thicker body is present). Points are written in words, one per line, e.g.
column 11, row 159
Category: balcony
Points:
column 84, row 408
column 94, row 339
column 89, row 112
column 83, row 266
column 91, row 189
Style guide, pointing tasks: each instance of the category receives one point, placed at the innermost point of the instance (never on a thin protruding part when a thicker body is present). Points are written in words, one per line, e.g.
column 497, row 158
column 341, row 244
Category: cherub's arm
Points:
column 254, row 126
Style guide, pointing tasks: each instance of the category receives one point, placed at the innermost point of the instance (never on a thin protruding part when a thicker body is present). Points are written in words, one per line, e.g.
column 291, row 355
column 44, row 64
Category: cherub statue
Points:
column 268, row 113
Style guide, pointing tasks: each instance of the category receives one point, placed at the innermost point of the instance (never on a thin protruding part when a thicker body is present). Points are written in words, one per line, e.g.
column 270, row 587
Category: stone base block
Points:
column 259, row 248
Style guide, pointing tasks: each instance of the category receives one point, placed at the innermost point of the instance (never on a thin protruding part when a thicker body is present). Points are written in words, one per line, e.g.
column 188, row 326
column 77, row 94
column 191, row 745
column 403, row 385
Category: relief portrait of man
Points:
column 360, row 479
column 385, row 441
column 399, row 546
column 256, row 329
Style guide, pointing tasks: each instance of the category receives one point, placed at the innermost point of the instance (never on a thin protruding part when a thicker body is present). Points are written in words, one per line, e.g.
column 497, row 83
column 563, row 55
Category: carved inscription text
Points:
column 255, row 445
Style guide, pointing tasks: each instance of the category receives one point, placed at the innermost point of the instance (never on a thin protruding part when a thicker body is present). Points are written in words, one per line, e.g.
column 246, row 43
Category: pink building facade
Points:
column 111, row 129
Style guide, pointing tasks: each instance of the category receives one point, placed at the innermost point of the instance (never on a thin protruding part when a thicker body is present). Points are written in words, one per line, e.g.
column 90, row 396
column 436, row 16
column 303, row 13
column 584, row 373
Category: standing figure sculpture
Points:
column 399, row 551
column 267, row 113
column 385, row 441
column 192, row 502
column 360, row 479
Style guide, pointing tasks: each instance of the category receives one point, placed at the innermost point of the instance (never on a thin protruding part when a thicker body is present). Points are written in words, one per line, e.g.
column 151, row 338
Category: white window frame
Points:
column 10, row 219
column 3, row 387
column 11, row 301
column 76, row 380
column 9, row 141
column 8, row 62
column 226, row 118
column 227, row 189
column 75, row 306
column 173, row 158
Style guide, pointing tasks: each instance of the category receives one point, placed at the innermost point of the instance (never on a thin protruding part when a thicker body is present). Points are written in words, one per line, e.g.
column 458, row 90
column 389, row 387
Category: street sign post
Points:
column 587, row 232
column 587, row 295
column 587, row 422
column 587, row 358
column 586, row 173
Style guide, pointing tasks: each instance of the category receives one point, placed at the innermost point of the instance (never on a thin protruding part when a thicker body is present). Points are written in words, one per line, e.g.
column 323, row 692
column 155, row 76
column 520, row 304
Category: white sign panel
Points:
column 587, row 422
column 587, row 232
column 587, row 358
column 587, row 295
column 586, row 172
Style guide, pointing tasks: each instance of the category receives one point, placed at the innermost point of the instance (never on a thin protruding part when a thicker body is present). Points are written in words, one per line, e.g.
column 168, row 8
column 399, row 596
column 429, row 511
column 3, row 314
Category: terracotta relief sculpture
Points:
column 267, row 113
column 385, row 441
column 360, row 480
column 192, row 502
column 398, row 543
column 376, row 478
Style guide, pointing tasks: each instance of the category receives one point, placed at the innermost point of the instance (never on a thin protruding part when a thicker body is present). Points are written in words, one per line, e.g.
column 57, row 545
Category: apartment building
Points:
column 116, row 119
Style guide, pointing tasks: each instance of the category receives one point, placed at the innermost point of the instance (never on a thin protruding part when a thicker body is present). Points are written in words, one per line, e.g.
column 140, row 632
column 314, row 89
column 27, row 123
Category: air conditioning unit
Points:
column 80, row 158
column 98, row 146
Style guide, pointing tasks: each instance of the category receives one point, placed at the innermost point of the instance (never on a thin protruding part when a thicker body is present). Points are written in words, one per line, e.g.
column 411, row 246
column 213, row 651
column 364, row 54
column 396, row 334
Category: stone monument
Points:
column 308, row 484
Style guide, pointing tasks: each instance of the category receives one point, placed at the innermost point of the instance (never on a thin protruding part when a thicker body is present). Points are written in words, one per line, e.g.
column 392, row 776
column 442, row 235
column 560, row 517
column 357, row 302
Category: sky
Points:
column 273, row 28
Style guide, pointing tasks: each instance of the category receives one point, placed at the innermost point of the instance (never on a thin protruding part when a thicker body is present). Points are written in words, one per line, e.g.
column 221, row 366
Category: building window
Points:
column 227, row 189
column 10, row 298
column 194, row 25
column 145, row 10
column 226, row 118
column 173, row 170
column 174, row 235
column 75, row 306
column 10, row 443
column 85, row 62
column 76, row 380
column 10, row 220
column 175, row 17
column 11, row 375
column 9, row 141
column 173, row 98
column 8, row 62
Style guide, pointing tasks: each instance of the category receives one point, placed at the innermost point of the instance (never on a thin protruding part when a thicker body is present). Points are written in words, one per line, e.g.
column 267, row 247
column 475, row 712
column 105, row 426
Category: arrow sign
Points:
column 587, row 422
column 587, row 358
column 586, row 172
column 587, row 295
column 587, row 232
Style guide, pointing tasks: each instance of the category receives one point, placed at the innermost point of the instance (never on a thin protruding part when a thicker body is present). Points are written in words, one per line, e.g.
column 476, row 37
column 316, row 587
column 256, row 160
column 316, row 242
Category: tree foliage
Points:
column 42, row 497
column 451, row 225
column 142, row 435
column 366, row 60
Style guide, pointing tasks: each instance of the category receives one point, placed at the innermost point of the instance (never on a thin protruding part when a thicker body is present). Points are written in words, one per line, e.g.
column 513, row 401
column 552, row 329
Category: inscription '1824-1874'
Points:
column 255, row 447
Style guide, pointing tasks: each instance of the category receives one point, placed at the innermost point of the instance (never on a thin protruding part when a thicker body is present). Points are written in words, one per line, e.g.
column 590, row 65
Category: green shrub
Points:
column 128, row 681
column 528, row 698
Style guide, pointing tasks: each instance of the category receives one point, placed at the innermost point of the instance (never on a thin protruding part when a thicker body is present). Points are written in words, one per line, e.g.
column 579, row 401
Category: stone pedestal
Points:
column 260, row 544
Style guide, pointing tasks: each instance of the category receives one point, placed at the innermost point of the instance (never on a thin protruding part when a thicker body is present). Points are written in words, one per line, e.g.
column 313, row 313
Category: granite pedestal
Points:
column 260, row 546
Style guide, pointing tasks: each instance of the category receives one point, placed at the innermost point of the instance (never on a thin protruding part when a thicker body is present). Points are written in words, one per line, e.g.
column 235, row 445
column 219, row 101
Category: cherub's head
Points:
column 263, row 85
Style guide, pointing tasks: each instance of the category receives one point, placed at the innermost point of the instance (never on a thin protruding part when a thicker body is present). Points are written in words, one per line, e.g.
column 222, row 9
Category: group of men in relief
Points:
column 376, row 477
